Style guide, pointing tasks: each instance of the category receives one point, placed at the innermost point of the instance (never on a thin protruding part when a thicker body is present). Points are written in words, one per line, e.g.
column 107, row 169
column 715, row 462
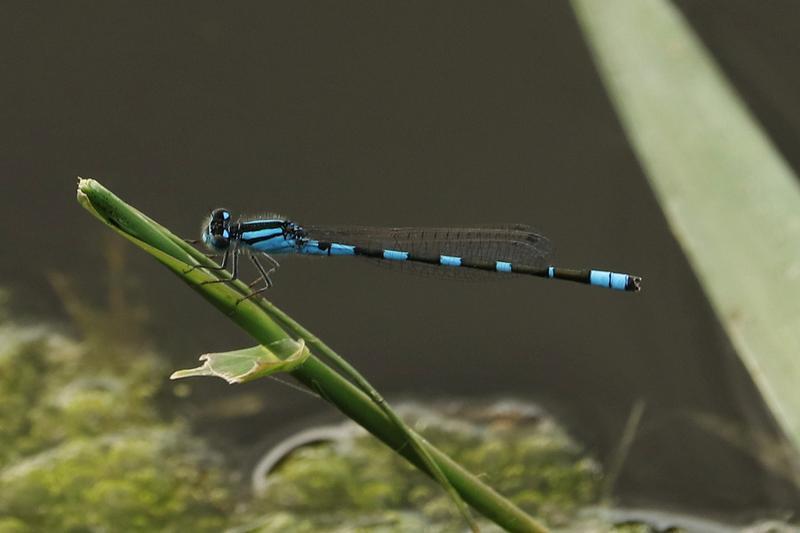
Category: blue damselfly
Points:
column 482, row 251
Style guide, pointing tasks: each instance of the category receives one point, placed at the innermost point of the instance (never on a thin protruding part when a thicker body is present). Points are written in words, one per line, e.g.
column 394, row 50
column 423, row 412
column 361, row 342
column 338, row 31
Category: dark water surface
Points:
column 398, row 114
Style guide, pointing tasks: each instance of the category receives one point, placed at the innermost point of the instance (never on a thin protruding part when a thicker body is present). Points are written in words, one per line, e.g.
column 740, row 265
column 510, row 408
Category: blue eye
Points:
column 225, row 215
column 226, row 234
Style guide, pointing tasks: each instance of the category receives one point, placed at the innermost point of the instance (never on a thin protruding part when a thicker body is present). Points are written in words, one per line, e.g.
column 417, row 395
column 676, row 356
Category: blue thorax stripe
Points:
column 261, row 234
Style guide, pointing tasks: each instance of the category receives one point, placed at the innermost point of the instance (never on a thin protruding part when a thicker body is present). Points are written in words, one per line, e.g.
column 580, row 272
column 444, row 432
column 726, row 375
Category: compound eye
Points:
column 221, row 214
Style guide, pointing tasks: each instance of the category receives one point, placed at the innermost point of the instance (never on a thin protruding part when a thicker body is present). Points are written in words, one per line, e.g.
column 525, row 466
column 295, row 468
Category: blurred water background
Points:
column 397, row 114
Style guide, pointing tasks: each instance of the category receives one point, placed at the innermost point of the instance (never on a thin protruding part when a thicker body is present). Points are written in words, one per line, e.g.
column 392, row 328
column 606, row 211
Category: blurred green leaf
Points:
column 730, row 198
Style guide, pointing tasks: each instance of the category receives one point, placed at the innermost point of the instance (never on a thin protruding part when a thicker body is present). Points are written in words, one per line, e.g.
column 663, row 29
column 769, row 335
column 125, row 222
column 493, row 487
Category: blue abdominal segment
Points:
column 449, row 260
column 314, row 247
column 608, row 280
column 502, row 266
column 395, row 255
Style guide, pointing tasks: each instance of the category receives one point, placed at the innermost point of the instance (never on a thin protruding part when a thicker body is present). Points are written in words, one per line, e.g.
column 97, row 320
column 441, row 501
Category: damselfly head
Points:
column 216, row 232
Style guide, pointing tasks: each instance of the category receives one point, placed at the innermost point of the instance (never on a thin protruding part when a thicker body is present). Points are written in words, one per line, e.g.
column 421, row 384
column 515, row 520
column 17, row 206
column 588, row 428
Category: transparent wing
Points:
column 514, row 243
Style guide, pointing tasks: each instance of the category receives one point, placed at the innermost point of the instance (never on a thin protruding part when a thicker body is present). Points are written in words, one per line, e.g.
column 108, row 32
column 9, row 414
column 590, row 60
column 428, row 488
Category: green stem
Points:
column 266, row 323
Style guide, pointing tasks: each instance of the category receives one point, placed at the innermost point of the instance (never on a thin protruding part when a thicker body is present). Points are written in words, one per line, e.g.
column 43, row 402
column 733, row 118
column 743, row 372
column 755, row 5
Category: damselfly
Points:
column 482, row 251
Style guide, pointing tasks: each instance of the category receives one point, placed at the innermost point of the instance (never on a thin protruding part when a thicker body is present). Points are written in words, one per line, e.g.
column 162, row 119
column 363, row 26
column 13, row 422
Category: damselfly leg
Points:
column 223, row 266
column 264, row 275
column 234, row 254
